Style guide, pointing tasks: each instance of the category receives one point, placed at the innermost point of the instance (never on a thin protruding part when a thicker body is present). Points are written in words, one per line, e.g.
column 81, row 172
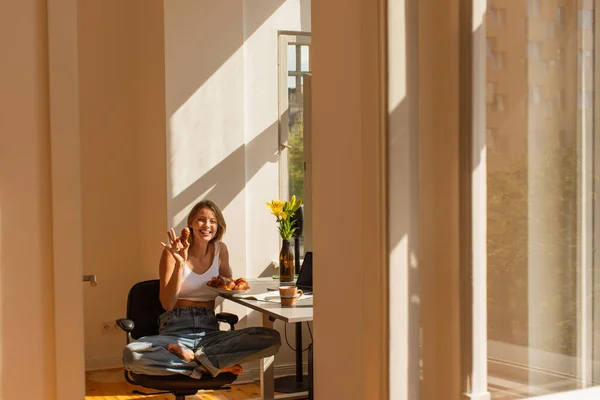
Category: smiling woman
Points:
column 189, row 340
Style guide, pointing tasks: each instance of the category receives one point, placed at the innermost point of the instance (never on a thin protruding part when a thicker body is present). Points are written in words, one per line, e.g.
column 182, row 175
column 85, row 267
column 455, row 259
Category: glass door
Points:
column 543, row 277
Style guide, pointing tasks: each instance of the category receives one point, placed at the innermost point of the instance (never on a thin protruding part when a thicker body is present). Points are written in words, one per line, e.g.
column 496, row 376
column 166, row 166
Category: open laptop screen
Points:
column 305, row 275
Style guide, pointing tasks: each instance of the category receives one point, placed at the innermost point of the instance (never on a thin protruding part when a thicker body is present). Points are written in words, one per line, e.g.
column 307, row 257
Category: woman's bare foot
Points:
column 236, row 369
column 184, row 354
column 188, row 355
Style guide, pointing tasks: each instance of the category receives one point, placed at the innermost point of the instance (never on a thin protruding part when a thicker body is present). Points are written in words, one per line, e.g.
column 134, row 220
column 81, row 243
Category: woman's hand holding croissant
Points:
column 178, row 246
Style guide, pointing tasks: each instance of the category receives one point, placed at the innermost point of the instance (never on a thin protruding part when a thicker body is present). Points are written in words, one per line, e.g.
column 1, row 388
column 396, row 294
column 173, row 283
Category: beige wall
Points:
column 122, row 120
column 348, row 209
column 26, row 280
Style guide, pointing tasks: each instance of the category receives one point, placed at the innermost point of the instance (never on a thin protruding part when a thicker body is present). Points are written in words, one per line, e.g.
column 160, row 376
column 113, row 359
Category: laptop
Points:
column 305, row 276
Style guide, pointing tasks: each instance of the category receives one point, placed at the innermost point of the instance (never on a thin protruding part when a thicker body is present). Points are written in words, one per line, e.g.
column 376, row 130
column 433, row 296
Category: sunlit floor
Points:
column 111, row 385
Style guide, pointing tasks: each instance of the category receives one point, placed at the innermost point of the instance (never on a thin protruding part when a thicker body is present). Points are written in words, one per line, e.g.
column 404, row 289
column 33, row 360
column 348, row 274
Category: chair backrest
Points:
column 144, row 308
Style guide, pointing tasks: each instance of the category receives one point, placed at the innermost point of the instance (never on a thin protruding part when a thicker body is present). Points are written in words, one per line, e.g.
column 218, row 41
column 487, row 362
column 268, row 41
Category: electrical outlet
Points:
column 110, row 327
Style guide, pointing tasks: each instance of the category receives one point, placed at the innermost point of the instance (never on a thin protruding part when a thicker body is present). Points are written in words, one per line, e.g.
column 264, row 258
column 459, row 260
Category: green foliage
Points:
column 521, row 201
column 296, row 158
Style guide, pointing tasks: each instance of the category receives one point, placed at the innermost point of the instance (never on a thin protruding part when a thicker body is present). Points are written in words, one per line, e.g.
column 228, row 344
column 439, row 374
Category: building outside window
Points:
column 543, row 286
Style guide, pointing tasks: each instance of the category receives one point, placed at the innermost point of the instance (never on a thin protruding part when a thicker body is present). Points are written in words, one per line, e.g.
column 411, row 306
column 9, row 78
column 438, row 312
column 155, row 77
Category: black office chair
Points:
column 143, row 310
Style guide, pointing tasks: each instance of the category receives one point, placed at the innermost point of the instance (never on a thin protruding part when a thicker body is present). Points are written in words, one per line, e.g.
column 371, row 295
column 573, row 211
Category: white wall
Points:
column 221, row 102
column 260, row 122
column 261, row 138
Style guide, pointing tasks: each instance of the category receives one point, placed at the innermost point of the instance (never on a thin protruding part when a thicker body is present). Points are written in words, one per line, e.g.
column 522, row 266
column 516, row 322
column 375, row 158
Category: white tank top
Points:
column 193, row 285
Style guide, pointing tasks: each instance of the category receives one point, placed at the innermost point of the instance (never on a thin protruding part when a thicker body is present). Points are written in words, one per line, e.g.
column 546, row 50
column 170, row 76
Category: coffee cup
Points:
column 289, row 295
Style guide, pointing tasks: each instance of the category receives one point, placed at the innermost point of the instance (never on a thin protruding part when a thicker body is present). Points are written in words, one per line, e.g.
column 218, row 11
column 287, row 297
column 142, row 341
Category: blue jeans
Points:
column 197, row 329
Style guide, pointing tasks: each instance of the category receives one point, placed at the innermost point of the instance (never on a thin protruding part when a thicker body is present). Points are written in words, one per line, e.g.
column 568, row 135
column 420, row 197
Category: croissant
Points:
column 241, row 284
column 224, row 283
column 238, row 280
column 216, row 282
column 185, row 235
column 230, row 285
column 212, row 282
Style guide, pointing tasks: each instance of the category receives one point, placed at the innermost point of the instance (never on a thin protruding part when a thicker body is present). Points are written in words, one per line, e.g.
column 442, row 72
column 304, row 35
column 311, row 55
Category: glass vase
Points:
column 286, row 263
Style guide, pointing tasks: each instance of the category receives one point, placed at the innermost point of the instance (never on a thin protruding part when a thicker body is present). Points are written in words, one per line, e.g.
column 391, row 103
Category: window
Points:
column 585, row 19
column 495, row 59
column 560, row 16
column 533, row 8
column 499, row 101
column 490, row 92
column 543, row 210
column 549, row 29
column 492, row 139
column 585, row 60
column 534, row 50
column 496, row 17
column 294, row 70
column 548, row 108
column 561, row 99
column 584, row 100
column 534, row 94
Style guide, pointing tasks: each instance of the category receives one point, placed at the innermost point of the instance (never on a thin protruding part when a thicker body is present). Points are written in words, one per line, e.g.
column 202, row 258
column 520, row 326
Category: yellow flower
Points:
column 276, row 206
column 285, row 211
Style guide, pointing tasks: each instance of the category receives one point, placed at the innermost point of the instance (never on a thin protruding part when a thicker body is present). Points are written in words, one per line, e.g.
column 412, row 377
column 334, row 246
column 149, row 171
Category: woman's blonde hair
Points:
column 221, row 225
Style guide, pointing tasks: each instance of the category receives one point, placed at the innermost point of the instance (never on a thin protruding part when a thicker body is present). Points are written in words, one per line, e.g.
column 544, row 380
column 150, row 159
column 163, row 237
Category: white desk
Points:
column 301, row 312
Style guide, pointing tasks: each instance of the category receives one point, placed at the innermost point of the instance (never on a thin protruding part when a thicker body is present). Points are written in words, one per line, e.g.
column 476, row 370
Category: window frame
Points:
column 285, row 39
column 474, row 271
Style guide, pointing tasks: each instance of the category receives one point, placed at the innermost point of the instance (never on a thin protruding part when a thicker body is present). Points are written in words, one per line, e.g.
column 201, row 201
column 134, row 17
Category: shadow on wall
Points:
column 205, row 92
column 219, row 184
column 199, row 49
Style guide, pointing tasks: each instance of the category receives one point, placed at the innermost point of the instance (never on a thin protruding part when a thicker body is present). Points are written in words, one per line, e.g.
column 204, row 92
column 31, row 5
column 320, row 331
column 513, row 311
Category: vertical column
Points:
column 585, row 168
column 66, row 198
column 596, row 200
column 403, row 186
column 474, row 173
column 440, row 230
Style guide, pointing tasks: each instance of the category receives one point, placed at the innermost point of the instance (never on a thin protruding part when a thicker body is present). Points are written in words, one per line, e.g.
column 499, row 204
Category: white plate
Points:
column 227, row 292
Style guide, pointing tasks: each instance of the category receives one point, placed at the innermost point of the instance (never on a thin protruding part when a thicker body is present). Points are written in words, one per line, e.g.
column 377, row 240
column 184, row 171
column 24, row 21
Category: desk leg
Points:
column 311, row 386
column 267, row 369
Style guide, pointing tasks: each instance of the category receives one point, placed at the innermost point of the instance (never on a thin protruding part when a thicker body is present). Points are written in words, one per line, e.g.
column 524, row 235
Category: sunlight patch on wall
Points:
column 180, row 218
column 397, row 57
column 200, row 130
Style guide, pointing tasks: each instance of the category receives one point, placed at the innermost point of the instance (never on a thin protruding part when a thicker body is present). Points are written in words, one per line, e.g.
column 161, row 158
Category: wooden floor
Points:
column 111, row 385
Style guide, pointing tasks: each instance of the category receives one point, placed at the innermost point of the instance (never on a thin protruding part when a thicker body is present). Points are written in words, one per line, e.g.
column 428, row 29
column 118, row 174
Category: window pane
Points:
column 291, row 82
column 291, row 57
column 304, row 59
column 296, row 156
column 543, row 334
